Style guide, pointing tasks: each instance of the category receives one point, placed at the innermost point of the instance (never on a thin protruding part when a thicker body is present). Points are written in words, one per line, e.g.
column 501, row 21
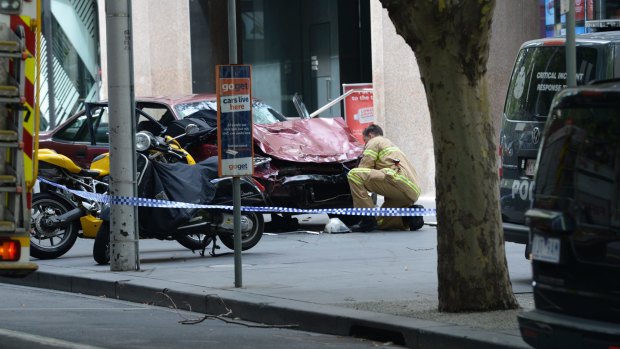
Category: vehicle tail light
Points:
column 559, row 42
column 10, row 250
column 591, row 93
column 527, row 332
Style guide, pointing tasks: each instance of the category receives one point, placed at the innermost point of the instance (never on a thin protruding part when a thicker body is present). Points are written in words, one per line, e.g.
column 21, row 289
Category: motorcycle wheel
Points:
column 43, row 244
column 101, row 247
column 193, row 242
column 250, row 238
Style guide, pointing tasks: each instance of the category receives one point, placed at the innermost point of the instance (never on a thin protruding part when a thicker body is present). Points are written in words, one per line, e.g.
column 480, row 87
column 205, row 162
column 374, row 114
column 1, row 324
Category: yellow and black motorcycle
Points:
column 59, row 216
column 193, row 227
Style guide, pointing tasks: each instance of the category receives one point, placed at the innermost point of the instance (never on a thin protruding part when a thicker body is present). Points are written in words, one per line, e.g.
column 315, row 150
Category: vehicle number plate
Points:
column 530, row 167
column 546, row 249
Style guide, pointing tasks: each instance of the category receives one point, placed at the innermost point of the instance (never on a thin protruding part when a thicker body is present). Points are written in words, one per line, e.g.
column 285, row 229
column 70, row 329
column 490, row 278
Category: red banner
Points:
column 580, row 10
column 358, row 108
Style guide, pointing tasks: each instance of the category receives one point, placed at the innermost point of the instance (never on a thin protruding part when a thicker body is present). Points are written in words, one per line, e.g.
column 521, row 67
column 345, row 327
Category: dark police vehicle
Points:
column 539, row 73
column 575, row 223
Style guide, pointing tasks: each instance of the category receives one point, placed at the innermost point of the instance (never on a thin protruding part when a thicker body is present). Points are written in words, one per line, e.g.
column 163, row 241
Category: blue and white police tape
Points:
column 145, row 202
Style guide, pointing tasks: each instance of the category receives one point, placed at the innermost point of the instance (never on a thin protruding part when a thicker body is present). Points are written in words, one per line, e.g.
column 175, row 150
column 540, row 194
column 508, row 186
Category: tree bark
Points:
column 451, row 42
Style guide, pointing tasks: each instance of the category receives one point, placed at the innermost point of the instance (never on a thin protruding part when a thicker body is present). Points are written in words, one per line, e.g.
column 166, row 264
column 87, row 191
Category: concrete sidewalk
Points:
column 380, row 285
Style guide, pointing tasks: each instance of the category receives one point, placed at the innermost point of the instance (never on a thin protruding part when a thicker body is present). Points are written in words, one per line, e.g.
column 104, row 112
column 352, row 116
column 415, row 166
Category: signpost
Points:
column 234, row 121
column 235, row 138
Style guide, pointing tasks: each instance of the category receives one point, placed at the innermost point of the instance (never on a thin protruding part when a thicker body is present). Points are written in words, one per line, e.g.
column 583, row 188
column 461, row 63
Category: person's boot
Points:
column 365, row 225
column 415, row 222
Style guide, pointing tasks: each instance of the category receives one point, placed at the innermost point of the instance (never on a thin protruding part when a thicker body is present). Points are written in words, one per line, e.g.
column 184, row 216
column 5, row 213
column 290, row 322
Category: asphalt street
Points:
column 381, row 285
column 41, row 319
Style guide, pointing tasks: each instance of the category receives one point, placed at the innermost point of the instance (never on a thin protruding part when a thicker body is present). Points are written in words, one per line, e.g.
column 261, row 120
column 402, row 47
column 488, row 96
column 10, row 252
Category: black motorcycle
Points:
column 194, row 228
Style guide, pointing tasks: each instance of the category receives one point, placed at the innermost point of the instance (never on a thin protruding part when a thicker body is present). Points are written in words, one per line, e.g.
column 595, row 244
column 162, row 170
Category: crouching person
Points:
column 386, row 171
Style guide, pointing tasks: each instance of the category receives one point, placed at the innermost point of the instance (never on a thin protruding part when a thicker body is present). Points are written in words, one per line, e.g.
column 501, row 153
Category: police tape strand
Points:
column 145, row 202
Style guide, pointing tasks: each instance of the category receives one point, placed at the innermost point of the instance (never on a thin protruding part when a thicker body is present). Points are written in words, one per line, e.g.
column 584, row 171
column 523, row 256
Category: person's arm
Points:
column 370, row 155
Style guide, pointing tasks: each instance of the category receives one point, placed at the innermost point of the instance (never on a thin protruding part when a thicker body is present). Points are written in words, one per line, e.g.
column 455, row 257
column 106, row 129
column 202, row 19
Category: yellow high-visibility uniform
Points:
column 384, row 170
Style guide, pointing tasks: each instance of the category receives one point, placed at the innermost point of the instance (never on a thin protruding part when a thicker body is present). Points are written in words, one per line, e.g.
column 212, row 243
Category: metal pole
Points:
column 600, row 9
column 337, row 100
column 124, row 254
column 232, row 32
column 232, row 57
column 47, row 33
column 571, row 51
column 237, row 230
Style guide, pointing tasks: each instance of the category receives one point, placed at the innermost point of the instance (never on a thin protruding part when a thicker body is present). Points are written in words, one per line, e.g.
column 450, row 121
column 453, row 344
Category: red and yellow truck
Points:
column 20, row 29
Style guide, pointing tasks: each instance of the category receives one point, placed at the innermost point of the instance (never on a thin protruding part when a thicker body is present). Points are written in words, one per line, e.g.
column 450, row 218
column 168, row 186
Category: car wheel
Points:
column 282, row 223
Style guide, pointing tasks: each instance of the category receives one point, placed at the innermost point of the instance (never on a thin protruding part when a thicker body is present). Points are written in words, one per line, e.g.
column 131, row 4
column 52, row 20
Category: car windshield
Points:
column 262, row 113
column 539, row 73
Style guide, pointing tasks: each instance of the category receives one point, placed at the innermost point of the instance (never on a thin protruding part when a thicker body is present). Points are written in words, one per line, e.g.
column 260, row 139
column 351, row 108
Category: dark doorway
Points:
column 310, row 47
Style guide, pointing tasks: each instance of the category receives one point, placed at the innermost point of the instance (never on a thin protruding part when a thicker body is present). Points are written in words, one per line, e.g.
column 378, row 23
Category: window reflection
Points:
column 579, row 174
column 73, row 77
column 581, row 160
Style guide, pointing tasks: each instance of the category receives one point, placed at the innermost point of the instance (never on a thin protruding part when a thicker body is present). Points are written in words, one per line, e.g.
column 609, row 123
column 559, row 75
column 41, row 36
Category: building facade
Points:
column 70, row 65
column 590, row 15
column 309, row 47
column 400, row 99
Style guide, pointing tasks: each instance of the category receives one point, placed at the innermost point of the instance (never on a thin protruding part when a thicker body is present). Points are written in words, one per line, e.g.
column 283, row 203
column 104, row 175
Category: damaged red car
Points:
column 301, row 162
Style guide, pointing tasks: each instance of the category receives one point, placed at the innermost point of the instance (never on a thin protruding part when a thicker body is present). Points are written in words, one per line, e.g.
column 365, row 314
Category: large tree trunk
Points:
column 450, row 40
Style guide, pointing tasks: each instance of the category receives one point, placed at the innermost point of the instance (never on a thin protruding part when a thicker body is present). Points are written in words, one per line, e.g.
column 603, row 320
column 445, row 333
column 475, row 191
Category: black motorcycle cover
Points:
column 175, row 182
column 206, row 120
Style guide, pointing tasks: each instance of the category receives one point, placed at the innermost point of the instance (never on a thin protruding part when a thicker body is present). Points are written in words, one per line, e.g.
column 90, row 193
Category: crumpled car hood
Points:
column 309, row 140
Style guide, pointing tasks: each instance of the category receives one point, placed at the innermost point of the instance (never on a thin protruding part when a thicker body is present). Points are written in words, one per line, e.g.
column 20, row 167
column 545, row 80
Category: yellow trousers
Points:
column 384, row 182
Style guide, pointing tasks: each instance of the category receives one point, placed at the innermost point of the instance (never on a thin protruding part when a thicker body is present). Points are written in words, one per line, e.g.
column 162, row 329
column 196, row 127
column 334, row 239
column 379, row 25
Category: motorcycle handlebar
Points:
column 177, row 153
